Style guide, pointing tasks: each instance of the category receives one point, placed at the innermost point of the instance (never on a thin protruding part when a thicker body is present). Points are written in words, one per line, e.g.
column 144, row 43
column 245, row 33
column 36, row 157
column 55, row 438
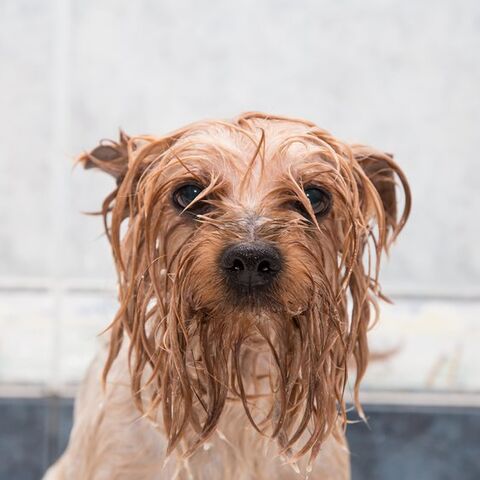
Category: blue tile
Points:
column 23, row 430
column 63, row 408
column 400, row 443
column 421, row 444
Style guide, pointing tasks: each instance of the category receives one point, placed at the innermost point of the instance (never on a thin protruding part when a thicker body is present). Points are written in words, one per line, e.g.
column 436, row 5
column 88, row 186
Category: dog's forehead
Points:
column 256, row 148
column 264, row 136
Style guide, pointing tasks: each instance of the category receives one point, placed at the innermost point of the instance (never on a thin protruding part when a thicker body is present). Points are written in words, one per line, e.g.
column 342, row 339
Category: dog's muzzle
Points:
column 250, row 266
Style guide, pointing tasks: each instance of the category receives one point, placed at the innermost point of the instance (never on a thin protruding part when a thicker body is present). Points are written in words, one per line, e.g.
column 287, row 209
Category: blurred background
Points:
column 401, row 76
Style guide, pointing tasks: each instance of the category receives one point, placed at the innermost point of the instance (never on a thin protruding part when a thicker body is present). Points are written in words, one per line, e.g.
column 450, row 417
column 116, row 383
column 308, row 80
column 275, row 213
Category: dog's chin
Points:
column 261, row 299
column 252, row 303
column 256, row 300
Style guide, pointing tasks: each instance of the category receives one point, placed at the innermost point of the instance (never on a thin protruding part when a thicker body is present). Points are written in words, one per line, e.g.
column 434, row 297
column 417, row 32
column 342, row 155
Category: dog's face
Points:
column 239, row 246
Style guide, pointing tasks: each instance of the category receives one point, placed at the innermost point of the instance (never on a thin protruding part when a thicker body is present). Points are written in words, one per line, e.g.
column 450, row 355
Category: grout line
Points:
column 367, row 397
column 37, row 391
column 100, row 286
column 52, row 441
column 60, row 132
column 43, row 285
column 421, row 398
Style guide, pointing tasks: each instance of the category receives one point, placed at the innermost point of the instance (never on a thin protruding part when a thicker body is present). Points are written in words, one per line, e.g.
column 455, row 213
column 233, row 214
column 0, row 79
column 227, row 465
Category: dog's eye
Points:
column 320, row 199
column 185, row 195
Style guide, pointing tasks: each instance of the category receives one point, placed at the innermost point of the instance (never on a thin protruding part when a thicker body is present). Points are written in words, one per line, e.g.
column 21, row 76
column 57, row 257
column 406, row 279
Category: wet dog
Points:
column 248, row 254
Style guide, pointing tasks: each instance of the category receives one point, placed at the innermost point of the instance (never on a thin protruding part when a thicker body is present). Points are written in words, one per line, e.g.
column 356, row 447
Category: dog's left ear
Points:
column 384, row 174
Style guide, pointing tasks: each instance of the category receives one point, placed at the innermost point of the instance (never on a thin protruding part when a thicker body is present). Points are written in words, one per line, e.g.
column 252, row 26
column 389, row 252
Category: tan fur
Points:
column 218, row 390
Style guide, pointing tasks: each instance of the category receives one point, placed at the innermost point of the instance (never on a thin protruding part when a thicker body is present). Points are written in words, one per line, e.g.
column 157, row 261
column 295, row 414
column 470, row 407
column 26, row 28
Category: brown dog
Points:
column 248, row 254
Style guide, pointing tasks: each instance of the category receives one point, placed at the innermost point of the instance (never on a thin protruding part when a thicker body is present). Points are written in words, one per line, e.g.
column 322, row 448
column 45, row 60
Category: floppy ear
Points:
column 384, row 174
column 109, row 156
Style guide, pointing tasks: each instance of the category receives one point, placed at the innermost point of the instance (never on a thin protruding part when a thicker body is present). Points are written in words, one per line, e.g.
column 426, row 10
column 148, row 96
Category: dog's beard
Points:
column 287, row 368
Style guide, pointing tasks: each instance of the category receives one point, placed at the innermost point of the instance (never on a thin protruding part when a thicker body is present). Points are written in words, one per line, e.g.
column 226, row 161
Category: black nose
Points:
column 251, row 264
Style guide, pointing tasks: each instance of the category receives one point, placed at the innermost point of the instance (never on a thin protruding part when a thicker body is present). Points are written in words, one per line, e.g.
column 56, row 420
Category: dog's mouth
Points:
column 257, row 298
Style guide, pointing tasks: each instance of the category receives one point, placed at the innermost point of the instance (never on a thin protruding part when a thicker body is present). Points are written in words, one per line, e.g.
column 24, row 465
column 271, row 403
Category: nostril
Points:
column 237, row 265
column 264, row 267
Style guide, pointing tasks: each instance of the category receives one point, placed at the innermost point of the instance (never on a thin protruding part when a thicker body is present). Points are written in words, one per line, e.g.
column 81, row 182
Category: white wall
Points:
column 403, row 76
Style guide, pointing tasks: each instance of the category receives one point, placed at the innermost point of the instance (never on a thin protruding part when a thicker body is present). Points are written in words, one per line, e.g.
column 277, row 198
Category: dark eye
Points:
column 320, row 199
column 186, row 194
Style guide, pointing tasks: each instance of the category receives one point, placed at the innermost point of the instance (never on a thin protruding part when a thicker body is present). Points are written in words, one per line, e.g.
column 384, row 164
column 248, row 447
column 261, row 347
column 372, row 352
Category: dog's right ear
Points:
column 110, row 157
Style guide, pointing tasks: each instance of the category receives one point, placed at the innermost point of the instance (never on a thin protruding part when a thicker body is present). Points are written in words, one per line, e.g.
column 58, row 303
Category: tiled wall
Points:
column 402, row 76
column 432, row 345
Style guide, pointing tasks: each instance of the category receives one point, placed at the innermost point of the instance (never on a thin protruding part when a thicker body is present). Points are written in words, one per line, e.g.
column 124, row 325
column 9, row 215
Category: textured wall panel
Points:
column 401, row 76
column 25, row 126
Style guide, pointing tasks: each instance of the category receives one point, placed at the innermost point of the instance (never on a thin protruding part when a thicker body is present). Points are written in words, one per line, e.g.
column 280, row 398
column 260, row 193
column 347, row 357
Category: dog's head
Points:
column 248, row 255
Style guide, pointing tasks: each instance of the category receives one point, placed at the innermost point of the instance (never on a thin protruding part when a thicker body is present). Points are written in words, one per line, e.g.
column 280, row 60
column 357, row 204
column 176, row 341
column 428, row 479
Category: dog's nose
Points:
column 251, row 264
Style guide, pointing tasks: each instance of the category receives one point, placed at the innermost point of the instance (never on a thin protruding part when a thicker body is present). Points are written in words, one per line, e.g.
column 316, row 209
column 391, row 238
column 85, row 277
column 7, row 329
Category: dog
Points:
column 248, row 254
